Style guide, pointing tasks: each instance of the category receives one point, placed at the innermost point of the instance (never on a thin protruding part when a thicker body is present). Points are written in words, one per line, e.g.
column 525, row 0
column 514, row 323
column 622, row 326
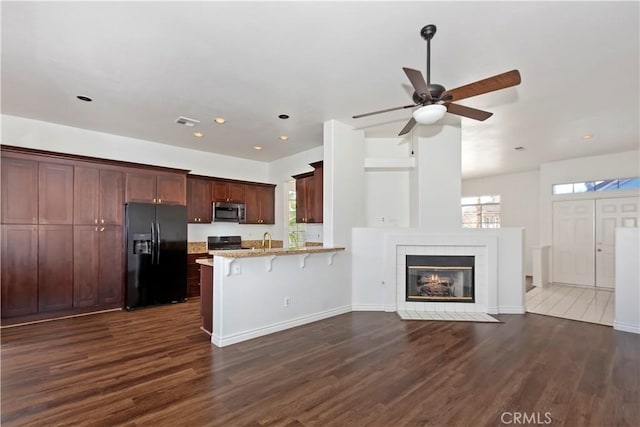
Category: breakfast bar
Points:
column 260, row 291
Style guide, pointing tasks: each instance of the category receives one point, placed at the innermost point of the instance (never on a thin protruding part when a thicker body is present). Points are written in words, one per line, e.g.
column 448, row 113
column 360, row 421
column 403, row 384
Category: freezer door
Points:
column 140, row 229
column 171, row 257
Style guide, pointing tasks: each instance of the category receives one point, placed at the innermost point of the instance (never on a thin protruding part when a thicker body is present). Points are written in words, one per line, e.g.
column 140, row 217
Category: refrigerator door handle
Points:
column 158, row 238
column 153, row 243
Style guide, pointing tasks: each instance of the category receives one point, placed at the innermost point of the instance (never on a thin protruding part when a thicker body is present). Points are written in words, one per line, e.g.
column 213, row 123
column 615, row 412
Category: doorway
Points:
column 584, row 239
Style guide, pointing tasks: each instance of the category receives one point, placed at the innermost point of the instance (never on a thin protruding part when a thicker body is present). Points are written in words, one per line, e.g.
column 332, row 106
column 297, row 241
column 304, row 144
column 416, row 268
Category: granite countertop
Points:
column 197, row 247
column 205, row 261
column 246, row 253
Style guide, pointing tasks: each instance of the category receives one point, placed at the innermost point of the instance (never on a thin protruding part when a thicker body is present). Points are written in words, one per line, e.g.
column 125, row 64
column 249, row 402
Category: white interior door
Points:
column 612, row 213
column 573, row 242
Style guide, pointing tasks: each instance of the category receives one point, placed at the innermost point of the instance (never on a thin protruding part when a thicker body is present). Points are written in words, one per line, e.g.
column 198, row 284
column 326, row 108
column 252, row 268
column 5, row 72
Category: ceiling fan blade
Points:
column 418, row 82
column 407, row 128
column 384, row 111
column 469, row 112
column 500, row 81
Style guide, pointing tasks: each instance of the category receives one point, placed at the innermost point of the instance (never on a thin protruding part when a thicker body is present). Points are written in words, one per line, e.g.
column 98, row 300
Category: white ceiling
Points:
column 146, row 63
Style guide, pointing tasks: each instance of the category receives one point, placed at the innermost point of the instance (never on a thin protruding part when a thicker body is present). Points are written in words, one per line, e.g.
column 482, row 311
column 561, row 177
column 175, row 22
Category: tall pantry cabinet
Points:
column 37, row 215
column 63, row 230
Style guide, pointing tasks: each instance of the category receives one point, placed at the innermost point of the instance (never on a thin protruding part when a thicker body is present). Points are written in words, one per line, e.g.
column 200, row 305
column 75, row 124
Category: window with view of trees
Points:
column 296, row 231
column 481, row 212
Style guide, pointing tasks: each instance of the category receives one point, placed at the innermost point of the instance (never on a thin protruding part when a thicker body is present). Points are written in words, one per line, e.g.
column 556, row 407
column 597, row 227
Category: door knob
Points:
column 599, row 250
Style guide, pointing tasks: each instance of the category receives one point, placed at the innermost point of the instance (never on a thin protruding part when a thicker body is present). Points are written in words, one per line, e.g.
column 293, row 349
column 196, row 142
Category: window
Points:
column 296, row 231
column 481, row 212
column 605, row 185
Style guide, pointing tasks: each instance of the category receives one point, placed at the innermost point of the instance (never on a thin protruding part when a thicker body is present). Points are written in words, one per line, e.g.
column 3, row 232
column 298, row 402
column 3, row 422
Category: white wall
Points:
column 387, row 191
column 344, row 183
column 627, row 280
column 41, row 135
column 519, row 205
column 436, row 180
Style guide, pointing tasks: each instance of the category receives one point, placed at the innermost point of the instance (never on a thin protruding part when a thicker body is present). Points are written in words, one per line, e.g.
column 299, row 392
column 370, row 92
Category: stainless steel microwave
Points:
column 229, row 212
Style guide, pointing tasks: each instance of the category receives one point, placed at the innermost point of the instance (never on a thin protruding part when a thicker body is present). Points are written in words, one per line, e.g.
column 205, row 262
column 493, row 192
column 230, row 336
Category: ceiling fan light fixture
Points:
column 429, row 114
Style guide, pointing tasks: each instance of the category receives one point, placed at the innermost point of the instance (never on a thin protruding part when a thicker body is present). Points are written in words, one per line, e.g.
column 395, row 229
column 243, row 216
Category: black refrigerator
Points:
column 156, row 254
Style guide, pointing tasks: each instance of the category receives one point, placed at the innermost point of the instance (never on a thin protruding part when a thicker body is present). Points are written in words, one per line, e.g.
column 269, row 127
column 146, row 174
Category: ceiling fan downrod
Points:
column 427, row 32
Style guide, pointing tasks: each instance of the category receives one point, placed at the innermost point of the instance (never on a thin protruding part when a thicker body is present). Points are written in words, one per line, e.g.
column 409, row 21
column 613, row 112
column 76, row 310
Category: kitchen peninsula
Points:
column 260, row 291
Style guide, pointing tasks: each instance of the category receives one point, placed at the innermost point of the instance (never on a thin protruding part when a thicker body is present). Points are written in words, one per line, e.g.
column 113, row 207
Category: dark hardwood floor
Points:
column 155, row 367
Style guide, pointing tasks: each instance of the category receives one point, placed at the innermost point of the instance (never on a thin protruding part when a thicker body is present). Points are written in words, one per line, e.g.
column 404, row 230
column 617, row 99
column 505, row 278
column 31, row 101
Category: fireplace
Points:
column 440, row 278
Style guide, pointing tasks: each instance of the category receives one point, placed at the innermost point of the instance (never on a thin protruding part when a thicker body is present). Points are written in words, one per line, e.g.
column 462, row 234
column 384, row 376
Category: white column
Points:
column 436, row 184
column 344, row 184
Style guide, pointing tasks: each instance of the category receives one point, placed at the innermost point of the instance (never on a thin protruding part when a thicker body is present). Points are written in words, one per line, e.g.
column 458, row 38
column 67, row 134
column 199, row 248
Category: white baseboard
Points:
column 626, row 327
column 511, row 309
column 277, row 327
column 368, row 307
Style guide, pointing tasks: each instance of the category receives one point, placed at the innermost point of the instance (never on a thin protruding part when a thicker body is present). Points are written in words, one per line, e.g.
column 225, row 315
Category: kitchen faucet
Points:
column 264, row 236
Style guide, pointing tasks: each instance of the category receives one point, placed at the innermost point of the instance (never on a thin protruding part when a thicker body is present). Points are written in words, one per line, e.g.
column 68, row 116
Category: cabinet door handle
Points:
column 96, row 228
column 159, row 200
column 102, row 221
column 154, row 200
column 101, row 228
column 95, row 221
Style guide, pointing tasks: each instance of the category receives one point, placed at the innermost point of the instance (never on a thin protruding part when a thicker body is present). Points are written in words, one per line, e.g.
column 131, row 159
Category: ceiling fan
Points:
column 435, row 100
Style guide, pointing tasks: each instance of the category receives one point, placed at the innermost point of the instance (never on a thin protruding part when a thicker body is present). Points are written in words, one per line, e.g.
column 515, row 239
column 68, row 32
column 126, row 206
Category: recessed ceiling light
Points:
column 519, row 148
column 257, row 147
column 84, row 98
column 283, row 137
column 219, row 120
column 198, row 134
column 587, row 136
column 283, row 116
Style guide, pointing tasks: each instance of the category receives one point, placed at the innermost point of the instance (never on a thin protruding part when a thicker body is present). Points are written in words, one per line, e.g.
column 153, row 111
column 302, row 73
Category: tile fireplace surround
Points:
column 483, row 248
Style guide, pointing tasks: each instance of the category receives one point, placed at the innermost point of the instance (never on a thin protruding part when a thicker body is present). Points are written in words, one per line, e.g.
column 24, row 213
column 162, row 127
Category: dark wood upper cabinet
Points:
column 267, row 196
column 199, row 200
column 223, row 191
column 19, row 270
column 86, row 186
column 309, row 195
column 140, row 187
column 55, row 267
column 305, row 198
column 172, row 189
column 150, row 187
column 260, row 204
column 55, row 193
column 111, row 197
column 19, row 191
column 98, row 196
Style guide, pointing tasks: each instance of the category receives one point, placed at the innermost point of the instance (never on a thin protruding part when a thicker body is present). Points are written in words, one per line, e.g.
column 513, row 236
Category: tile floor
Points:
column 571, row 302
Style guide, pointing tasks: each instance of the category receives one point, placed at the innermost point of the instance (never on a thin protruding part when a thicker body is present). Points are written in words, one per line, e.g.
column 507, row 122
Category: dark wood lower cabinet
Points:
column 55, row 267
column 19, row 270
column 111, row 266
column 86, row 259
column 193, row 274
column 206, row 297
column 98, row 265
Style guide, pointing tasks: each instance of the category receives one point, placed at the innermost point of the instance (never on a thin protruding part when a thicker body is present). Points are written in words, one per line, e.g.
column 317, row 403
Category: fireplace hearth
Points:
column 441, row 278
